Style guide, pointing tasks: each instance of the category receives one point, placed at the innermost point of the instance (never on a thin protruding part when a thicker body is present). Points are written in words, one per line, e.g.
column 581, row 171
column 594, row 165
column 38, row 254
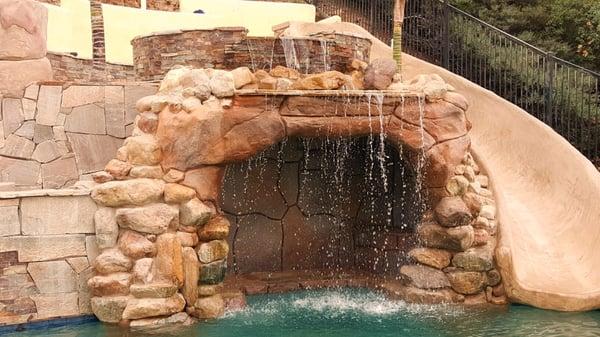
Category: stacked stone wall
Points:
column 57, row 133
column 68, row 68
column 230, row 48
column 163, row 5
column 45, row 254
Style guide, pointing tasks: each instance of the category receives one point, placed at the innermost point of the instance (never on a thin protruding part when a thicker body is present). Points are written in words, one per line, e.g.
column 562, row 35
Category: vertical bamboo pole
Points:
column 399, row 6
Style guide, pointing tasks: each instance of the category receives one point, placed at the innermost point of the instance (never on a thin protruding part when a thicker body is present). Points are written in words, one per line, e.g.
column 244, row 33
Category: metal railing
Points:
column 561, row 94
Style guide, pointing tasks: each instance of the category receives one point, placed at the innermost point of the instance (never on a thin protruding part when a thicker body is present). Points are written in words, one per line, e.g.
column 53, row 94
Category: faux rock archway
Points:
column 161, row 231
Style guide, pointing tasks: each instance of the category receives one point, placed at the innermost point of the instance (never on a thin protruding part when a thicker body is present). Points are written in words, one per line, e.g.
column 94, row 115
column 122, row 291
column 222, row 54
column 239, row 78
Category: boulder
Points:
column 209, row 307
column 194, row 213
column 107, row 230
column 161, row 325
column 395, row 291
column 143, row 150
column 452, row 212
column 209, row 290
column 128, row 192
column 467, row 282
column 493, row 278
column 329, row 80
column 195, row 82
column 112, row 261
column 481, row 237
column 118, row 169
column 151, row 172
column 455, row 238
column 475, row 259
column 168, row 264
column 142, row 270
column 424, row 277
column 176, row 194
column 488, row 212
column 213, row 273
column 222, row 84
column 191, row 275
column 22, row 30
column 153, row 290
column 285, row 72
column 110, row 285
column 153, row 219
column 187, row 239
column 242, row 76
column 109, row 309
column 437, row 258
column 150, row 307
column 457, row 185
column 212, row 251
column 379, row 74
column 217, row 228
column 135, row 245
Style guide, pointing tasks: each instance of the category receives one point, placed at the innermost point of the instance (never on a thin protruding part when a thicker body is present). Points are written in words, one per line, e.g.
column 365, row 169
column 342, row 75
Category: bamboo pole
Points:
column 399, row 6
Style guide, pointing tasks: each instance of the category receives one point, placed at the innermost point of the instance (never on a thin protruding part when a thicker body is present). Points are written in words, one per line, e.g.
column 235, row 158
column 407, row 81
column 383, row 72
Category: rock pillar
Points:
column 22, row 46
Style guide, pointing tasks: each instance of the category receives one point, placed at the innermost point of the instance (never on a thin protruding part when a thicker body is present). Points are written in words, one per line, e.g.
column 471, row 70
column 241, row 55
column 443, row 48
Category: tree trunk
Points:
column 98, row 48
column 397, row 37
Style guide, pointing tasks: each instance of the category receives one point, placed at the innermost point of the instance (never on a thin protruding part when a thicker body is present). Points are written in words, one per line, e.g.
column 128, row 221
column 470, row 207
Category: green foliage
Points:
column 569, row 28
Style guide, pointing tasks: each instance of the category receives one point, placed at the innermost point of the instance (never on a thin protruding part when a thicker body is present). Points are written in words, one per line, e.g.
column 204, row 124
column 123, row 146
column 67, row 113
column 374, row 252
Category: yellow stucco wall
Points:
column 69, row 28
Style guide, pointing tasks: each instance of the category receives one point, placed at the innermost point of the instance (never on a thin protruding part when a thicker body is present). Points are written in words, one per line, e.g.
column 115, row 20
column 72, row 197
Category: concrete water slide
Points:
column 548, row 194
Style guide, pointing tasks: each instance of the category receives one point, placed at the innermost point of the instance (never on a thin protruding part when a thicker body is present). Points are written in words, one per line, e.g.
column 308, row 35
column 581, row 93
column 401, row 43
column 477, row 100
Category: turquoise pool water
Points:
column 361, row 313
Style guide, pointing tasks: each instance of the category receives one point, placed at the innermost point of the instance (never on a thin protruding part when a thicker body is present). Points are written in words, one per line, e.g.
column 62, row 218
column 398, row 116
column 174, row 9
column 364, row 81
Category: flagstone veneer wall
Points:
column 56, row 133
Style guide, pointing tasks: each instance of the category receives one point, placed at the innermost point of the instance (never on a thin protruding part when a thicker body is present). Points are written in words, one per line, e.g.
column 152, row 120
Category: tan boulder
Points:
column 476, row 258
column 22, row 30
column 209, row 307
column 161, row 325
column 153, row 290
column 396, row 291
column 151, row 172
column 112, row 261
column 191, row 275
column 150, row 307
column 128, row 192
column 206, row 181
column 135, row 245
column 242, row 76
column 209, row 290
column 222, row 84
column 424, row 277
column 143, row 150
column 194, row 213
column 442, row 159
column 110, row 285
column 148, row 122
column 379, row 74
column 281, row 71
column 109, row 309
column 457, row 185
column 168, row 263
column 267, row 83
column 329, row 80
column 187, row 239
column 118, row 169
column 216, row 229
column 142, row 270
column 467, row 282
column 481, row 237
column 212, row 251
column 153, row 219
column 452, row 212
column 455, row 238
column 176, row 194
column 437, row 258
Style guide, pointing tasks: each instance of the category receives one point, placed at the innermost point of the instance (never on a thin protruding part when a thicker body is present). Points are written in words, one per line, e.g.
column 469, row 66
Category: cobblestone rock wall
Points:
column 57, row 134
column 45, row 254
column 229, row 48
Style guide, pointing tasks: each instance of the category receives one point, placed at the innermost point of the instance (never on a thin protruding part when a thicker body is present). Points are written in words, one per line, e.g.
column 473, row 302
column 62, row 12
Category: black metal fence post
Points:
column 550, row 65
column 446, row 35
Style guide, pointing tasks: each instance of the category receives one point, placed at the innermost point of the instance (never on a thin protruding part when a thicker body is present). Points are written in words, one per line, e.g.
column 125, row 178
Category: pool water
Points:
column 361, row 313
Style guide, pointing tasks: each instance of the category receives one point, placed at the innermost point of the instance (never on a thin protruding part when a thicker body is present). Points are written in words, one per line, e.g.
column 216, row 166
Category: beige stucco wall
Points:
column 69, row 28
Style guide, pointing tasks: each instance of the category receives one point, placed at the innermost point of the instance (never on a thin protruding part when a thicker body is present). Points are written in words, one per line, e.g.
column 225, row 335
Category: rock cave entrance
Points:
column 322, row 204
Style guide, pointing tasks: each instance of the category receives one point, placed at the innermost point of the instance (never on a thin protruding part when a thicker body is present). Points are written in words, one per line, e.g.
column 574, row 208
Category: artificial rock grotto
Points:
column 160, row 224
